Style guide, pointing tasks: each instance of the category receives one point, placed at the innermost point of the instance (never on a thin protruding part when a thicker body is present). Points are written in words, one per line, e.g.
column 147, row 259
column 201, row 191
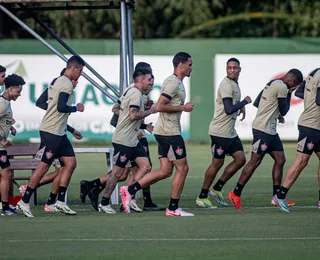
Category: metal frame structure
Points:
column 126, row 42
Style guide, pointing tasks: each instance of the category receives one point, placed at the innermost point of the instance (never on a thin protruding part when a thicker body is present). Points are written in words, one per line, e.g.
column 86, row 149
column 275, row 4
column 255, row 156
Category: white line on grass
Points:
column 158, row 239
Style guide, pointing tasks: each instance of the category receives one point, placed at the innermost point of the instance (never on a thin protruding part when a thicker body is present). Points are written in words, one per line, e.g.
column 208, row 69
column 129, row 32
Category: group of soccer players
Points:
column 132, row 161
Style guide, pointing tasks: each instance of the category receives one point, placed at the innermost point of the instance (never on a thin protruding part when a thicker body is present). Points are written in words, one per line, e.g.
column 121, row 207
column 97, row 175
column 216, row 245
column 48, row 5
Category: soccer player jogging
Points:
column 171, row 146
column 309, row 136
column 13, row 87
column 224, row 138
column 272, row 102
column 54, row 141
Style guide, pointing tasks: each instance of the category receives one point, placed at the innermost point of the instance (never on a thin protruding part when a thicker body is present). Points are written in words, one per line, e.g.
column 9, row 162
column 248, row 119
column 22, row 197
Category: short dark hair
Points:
column 63, row 71
column 152, row 76
column 141, row 65
column 141, row 72
column 75, row 61
column 234, row 60
column 180, row 57
column 297, row 74
column 13, row 81
column 2, row 69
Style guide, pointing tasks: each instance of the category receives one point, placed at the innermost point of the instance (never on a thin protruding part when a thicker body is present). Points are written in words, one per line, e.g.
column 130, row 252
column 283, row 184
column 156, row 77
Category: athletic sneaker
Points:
column 49, row 208
column 235, row 200
column 84, row 189
column 63, row 208
column 217, row 195
column 290, row 203
column 319, row 204
column 94, row 199
column 9, row 212
column 178, row 213
column 25, row 208
column 204, row 203
column 134, row 206
column 23, row 189
column 106, row 209
column 0, row 205
column 126, row 198
column 282, row 204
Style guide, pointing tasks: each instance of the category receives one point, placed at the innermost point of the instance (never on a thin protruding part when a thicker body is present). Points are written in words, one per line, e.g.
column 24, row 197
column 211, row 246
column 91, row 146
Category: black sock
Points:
column 95, row 183
column 52, row 198
column 238, row 189
column 174, row 204
column 319, row 195
column 105, row 201
column 97, row 190
column 282, row 193
column 276, row 189
column 5, row 205
column 27, row 195
column 62, row 194
column 134, row 188
column 147, row 198
column 218, row 186
column 203, row 194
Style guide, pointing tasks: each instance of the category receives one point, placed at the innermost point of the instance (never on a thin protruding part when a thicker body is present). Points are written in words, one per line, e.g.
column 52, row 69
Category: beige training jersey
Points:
column 268, row 110
column 127, row 129
column 5, row 118
column 53, row 121
column 168, row 124
column 310, row 116
column 222, row 125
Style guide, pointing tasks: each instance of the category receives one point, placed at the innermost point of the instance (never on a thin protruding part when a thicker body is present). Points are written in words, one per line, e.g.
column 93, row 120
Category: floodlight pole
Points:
column 130, row 44
column 123, row 48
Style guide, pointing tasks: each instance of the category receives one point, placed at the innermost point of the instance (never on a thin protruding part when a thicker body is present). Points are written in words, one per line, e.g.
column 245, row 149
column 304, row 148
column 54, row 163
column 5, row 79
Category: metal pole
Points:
column 123, row 46
column 54, row 35
column 37, row 36
column 130, row 44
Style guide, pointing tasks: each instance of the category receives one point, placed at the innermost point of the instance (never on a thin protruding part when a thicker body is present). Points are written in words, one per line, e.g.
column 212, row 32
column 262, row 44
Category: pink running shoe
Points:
column 23, row 189
column 126, row 198
column 178, row 213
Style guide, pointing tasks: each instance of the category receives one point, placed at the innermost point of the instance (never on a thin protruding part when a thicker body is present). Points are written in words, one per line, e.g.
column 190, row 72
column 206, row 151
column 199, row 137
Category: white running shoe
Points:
column 49, row 208
column 178, row 213
column 63, row 208
column 23, row 189
column 106, row 209
column 25, row 208
column 134, row 206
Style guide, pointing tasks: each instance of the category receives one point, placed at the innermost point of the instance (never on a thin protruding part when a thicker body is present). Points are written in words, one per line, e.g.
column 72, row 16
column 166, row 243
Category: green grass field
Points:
column 259, row 231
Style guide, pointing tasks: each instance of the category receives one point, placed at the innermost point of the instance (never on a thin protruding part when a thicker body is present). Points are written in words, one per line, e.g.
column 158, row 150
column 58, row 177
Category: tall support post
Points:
column 123, row 48
column 130, row 44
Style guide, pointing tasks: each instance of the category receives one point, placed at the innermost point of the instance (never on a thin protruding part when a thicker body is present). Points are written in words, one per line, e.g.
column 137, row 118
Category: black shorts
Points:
column 265, row 143
column 4, row 160
column 171, row 147
column 221, row 146
column 124, row 154
column 54, row 147
column 309, row 140
column 144, row 142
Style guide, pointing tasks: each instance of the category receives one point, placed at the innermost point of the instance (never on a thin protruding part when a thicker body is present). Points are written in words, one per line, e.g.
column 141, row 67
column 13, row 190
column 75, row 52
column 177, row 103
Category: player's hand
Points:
column 153, row 109
column 148, row 105
column 248, row 99
column 13, row 131
column 13, row 121
column 293, row 88
column 188, row 107
column 243, row 112
column 77, row 135
column 6, row 143
column 149, row 128
column 140, row 134
column 281, row 119
column 80, row 107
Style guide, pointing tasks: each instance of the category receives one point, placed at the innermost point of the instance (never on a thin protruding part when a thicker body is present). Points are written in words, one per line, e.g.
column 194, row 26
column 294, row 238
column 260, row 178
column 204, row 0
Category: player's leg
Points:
column 318, row 154
column 49, row 206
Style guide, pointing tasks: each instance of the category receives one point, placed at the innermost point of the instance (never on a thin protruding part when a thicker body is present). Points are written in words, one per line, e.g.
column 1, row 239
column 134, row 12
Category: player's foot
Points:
column 25, row 208
column 290, row 203
column 49, row 208
column 282, row 204
column 23, row 189
column 63, row 208
column 178, row 213
column 204, row 203
column 217, row 195
column 126, row 198
column 94, row 199
column 235, row 200
column 9, row 212
column 153, row 207
column 84, row 189
column 134, row 206
column 106, row 209
column 0, row 205
column 319, row 204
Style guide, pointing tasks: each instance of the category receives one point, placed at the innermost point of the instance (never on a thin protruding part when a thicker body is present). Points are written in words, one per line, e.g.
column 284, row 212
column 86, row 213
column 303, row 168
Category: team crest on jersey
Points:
column 145, row 148
column 263, row 147
column 179, row 151
column 123, row 158
column 3, row 158
column 220, row 151
column 49, row 154
column 310, row 145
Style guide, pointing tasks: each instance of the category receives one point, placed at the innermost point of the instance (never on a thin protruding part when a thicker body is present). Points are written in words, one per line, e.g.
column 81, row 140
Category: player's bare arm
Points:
column 163, row 106
column 137, row 114
column 116, row 109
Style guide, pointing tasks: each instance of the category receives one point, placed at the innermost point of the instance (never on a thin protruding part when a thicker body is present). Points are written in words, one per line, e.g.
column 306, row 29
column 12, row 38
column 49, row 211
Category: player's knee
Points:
column 147, row 168
column 7, row 176
column 242, row 161
column 281, row 161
